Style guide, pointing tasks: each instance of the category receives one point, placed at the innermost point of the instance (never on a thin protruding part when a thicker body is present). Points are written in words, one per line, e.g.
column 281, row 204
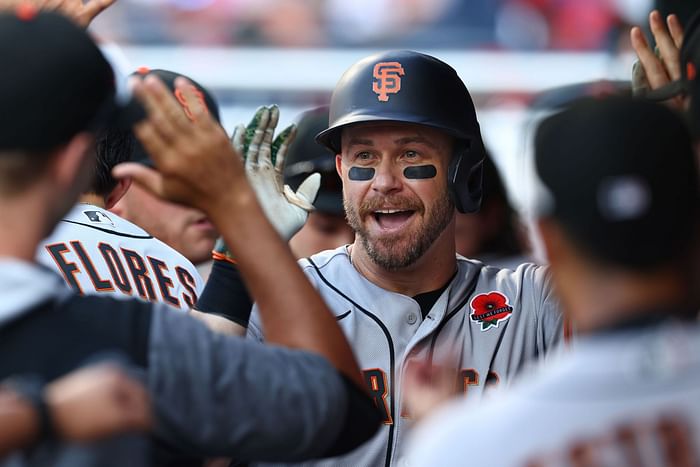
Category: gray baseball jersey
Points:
column 494, row 320
column 627, row 398
column 96, row 251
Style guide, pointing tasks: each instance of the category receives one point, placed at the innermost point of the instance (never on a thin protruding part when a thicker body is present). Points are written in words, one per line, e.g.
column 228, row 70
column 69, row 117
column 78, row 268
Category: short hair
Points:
column 112, row 146
column 20, row 169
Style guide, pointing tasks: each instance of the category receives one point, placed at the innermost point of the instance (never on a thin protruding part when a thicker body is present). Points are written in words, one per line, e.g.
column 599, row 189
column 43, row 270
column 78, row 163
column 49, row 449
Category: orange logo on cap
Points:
column 26, row 11
column 690, row 71
column 388, row 75
column 185, row 106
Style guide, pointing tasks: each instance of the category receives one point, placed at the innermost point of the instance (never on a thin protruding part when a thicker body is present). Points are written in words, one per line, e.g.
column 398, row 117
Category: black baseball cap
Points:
column 54, row 83
column 168, row 78
column 619, row 174
column 306, row 156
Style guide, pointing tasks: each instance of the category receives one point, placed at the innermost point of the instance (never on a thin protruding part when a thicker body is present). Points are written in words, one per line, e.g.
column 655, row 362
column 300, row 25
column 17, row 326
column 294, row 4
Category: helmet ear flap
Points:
column 465, row 178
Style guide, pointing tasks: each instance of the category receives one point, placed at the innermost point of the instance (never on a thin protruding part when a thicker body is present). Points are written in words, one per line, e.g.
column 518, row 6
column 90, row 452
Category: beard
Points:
column 398, row 251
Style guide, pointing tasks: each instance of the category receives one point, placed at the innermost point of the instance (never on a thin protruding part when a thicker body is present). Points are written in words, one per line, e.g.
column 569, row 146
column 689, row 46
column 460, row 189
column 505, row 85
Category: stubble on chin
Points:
column 399, row 251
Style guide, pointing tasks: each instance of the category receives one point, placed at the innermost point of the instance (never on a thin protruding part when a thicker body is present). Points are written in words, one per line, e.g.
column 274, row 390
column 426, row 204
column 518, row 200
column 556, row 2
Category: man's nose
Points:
column 387, row 178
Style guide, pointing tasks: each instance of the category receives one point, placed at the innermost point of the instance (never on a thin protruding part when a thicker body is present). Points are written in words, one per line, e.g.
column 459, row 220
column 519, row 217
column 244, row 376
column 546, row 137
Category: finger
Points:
column 252, row 126
column 153, row 142
column 238, row 140
column 94, row 7
column 163, row 111
column 676, row 29
column 258, row 135
column 653, row 68
column 308, row 189
column 147, row 178
column 136, row 404
column 265, row 153
column 281, row 145
column 667, row 48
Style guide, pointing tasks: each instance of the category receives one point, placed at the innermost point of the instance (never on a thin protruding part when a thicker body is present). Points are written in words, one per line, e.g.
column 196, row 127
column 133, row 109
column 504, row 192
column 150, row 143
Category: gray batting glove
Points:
column 286, row 209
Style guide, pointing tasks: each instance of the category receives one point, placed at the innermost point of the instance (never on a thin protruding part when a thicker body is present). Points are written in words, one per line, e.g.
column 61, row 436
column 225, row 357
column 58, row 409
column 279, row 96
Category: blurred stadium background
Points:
column 292, row 52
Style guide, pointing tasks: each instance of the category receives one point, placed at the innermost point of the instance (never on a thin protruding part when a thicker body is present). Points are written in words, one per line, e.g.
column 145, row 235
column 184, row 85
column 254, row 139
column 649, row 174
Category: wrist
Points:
column 31, row 390
column 233, row 203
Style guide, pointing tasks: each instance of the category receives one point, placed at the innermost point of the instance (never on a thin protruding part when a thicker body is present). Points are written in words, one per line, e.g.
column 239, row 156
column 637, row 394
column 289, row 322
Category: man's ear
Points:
column 117, row 193
column 70, row 161
column 339, row 165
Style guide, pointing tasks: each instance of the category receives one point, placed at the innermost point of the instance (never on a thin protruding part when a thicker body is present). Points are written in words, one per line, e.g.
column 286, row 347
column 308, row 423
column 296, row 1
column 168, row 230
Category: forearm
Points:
column 298, row 413
column 295, row 315
column 19, row 423
column 225, row 303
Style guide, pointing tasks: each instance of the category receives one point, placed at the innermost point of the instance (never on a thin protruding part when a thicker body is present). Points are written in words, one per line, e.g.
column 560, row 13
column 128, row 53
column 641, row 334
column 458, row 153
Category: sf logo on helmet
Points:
column 388, row 79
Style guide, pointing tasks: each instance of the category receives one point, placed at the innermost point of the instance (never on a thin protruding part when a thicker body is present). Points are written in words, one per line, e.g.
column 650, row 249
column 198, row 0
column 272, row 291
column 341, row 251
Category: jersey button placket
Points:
column 411, row 318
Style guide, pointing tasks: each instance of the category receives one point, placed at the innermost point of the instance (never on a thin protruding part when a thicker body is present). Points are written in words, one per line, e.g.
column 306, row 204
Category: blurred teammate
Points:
column 618, row 213
column 211, row 394
column 85, row 405
column 326, row 227
column 183, row 228
column 98, row 252
column 491, row 235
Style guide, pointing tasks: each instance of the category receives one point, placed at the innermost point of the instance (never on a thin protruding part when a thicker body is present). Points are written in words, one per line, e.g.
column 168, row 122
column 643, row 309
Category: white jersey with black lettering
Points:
column 626, row 398
column 96, row 252
column 494, row 320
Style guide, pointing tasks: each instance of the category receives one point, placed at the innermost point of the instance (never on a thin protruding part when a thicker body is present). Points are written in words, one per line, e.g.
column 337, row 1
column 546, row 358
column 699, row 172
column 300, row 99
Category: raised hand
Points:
column 81, row 12
column 657, row 68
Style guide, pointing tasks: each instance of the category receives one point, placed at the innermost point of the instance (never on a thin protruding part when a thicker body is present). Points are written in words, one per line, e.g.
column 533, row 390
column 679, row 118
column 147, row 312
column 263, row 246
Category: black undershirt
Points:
column 426, row 300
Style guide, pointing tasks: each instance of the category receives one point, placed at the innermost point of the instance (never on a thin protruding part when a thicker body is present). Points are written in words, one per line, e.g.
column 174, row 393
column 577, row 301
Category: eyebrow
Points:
column 401, row 141
column 416, row 139
column 360, row 142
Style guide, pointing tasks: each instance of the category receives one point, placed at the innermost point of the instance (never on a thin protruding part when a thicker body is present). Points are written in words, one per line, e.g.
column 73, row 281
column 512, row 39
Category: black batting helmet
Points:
column 410, row 87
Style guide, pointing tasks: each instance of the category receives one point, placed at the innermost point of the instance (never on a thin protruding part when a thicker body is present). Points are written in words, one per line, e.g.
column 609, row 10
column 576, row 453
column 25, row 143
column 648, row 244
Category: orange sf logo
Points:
column 388, row 79
column 185, row 106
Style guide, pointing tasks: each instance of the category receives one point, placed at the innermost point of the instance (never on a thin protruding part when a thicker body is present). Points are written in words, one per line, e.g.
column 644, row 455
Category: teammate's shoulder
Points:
column 100, row 219
column 326, row 258
column 523, row 271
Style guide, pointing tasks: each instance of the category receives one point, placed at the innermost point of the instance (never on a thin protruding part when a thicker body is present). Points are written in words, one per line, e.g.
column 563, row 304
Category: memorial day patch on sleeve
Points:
column 490, row 309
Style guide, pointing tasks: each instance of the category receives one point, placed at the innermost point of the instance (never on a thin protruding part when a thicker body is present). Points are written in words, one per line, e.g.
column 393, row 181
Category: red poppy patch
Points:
column 490, row 309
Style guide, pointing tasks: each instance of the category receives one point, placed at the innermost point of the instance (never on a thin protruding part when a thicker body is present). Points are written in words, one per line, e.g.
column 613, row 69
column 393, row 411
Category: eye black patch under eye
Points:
column 361, row 173
column 420, row 171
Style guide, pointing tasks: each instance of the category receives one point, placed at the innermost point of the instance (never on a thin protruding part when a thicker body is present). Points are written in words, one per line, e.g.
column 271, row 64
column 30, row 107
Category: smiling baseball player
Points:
column 409, row 151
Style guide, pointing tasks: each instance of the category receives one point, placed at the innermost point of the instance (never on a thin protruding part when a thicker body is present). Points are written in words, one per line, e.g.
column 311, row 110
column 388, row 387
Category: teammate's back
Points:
column 618, row 217
column 628, row 398
column 98, row 252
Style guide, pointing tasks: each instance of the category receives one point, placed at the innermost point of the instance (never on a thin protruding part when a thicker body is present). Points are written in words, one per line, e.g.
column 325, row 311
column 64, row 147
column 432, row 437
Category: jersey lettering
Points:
column 139, row 272
column 116, row 267
column 101, row 285
column 187, row 281
column 469, row 377
column 375, row 379
column 68, row 268
column 666, row 441
column 164, row 282
column 136, row 266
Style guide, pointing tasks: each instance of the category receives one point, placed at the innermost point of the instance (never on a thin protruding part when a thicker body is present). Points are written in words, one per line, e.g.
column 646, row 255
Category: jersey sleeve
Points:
column 218, row 395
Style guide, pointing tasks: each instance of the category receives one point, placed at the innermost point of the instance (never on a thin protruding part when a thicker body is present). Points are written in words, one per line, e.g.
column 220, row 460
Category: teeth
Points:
column 388, row 211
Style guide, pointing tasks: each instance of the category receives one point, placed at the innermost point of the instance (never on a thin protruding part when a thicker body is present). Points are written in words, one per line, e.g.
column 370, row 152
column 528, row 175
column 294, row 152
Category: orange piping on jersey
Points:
column 222, row 257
